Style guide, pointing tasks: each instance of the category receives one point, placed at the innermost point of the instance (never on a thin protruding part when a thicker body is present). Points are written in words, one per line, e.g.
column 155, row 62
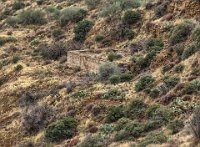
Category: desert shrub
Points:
column 151, row 111
column 131, row 17
column 114, row 114
column 62, row 129
column 190, row 50
column 18, row 68
column 130, row 131
column 29, row 17
column 52, row 52
column 114, row 79
column 92, row 3
column 154, row 93
column 179, row 48
column 53, row 11
column 99, row 38
column 80, row 94
column 176, row 126
column 192, row 87
column 11, row 21
column 4, row 40
column 116, row 6
column 195, row 71
column 81, row 30
column 72, row 14
column 18, row 5
column 196, row 34
column 126, row 77
column 179, row 68
column 171, row 82
column 108, row 69
column 194, row 123
column 114, row 93
column 56, row 33
column 181, row 32
column 15, row 58
column 144, row 82
column 3, row 79
column 114, row 56
column 160, row 10
column 121, row 123
column 40, row 2
column 153, row 138
column 35, row 118
column 136, row 109
column 155, row 42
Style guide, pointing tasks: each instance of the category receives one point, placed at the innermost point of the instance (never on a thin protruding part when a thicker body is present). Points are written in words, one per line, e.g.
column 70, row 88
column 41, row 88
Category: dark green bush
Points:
column 154, row 93
column 114, row 79
column 151, row 111
column 131, row 130
column 80, row 94
column 181, row 32
column 72, row 14
column 194, row 123
column 179, row 68
column 126, row 77
column 114, row 56
column 4, row 40
column 176, row 126
column 144, row 83
column 18, row 5
column 99, row 38
column 190, row 50
column 18, row 68
column 56, row 33
column 114, row 114
column 155, row 42
column 153, row 138
column 108, row 69
column 171, row 82
column 92, row 3
column 160, row 10
column 131, row 17
column 40, row 2
column 60, row 130
column 136, row 109
column 196, row 71
column 29, row 17
column 196, row 34
column 192, row 87
column 81, row 30
column 114, row 93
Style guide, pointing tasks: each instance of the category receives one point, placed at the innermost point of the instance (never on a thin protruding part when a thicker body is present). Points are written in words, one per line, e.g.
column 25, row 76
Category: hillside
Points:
column 98, row 73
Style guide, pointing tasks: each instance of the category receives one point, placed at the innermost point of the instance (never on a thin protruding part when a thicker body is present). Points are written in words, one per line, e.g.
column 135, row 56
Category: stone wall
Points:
column 84, row 59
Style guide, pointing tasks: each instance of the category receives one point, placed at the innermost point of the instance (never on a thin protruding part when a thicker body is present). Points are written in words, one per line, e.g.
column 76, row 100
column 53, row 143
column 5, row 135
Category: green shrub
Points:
column 4, row 40
column 153, row 138
column 151, row 111
column 29, row 17
column 40, row 2
column 60, row 130
column 56, row 33
column 154, row 93
column 114, row 56
column 179, row 68
column 179, row 48
column 114, row 114
column 72, row 14
column 181, row 32
column 18, row 5
column 130, row 131
column 176, row 126
column 92, row 3
column 196, row 71
column 114, row 93
column 131, row 17
column 52, row 52
column 80, row 94
column 54, row 12
column 15, row 59
column 192, row 87
column 115, row 6
column 99, row 38
column 190, row 50
column 144, row 83
column 114, row 79
column 194, row 123
column 108, row 69
column 126, row 77
column 160, row 10
column 196, row 34
column 136, row 109
column 3, row 79
column 18, row 68
column 155, row 42
column 81, row 30
column 171, row 82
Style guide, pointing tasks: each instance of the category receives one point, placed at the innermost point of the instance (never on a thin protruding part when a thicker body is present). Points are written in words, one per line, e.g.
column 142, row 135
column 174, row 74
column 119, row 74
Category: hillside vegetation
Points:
column 146, row 91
